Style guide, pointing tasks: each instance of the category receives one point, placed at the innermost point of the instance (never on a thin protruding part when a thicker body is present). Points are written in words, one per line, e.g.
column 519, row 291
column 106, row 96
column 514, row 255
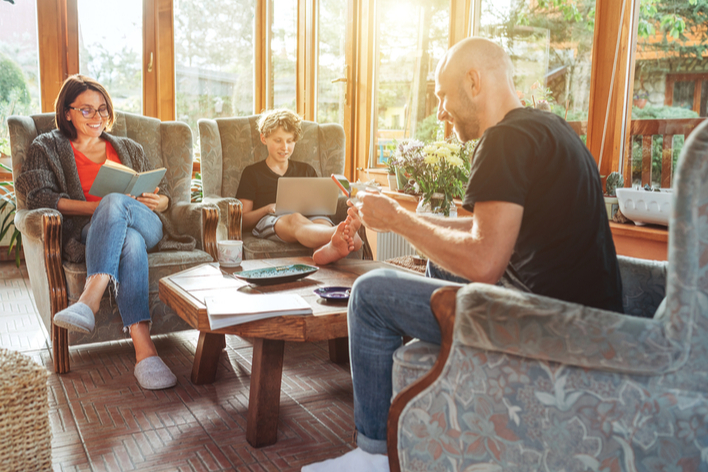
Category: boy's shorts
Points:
column 265, row 228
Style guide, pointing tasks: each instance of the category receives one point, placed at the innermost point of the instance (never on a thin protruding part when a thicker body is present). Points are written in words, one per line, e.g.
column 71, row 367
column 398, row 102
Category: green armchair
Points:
column 228, row 145
column 57, row 283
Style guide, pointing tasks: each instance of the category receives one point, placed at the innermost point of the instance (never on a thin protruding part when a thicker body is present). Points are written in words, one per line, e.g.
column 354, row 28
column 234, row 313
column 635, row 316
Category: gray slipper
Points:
column 153, row 374
column 77, row 317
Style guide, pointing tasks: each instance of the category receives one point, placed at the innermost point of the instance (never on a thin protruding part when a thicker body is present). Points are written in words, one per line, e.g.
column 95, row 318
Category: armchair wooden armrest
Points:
column 41, row 238
column 233, row 209
column 443, row 304
column 200, row 221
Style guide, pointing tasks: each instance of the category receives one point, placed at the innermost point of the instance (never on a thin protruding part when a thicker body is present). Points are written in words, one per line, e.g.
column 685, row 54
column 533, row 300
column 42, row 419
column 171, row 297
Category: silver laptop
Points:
column 306, row 195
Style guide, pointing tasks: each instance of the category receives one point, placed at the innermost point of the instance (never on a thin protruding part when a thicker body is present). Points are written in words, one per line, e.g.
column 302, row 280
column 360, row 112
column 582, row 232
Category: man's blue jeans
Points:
column 385, row 305
column 121, row 232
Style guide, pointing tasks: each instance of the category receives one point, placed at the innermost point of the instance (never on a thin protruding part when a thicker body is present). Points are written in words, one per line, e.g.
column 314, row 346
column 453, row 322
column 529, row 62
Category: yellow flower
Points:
column 431, row 155
column 455, row 161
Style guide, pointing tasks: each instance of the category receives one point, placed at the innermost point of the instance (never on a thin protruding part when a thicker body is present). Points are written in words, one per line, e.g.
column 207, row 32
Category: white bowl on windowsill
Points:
column 645, row 207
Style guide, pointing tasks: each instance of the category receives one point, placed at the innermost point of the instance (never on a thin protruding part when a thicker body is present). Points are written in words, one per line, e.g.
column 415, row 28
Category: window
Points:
column 213, row 59
column 283, row 51
column 550, row 45
column 331, row 64
column 670, row 84
column 110, row 49
column 19, row 64
column 410, row 40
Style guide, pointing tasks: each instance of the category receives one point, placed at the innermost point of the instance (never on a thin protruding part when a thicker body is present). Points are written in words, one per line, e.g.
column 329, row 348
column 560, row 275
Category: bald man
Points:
column 539, row 224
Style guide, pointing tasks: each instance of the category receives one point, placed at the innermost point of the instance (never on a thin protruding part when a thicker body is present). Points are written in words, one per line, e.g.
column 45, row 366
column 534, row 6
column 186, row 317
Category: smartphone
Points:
column 342, row 182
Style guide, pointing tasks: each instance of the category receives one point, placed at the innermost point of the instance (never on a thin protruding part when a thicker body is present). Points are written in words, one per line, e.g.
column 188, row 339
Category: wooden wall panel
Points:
column 158, row 59
column 261, row 56
column 58, row 47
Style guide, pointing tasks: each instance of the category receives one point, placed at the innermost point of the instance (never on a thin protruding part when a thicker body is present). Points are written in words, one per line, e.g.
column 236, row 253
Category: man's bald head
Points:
column 476, row 53
column 475, row 86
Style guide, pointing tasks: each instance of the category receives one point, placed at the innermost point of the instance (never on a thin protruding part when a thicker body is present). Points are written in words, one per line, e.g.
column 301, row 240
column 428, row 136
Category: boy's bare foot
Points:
column 354, row 224
column 338, row 247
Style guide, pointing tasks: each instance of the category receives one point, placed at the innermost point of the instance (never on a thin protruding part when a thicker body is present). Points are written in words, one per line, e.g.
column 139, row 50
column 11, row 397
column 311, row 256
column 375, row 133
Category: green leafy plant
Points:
column 197, row 190
column 613, row 182
column 8, row 204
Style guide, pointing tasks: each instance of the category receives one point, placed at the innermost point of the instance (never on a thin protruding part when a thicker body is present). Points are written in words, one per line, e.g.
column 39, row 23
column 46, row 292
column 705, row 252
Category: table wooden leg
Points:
column 339, row 350
column 264, row 397
column 206, row 358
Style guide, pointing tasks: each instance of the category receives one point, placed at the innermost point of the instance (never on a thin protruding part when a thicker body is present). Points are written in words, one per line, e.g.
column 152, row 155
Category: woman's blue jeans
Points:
column 385, row 305
column 121, row 232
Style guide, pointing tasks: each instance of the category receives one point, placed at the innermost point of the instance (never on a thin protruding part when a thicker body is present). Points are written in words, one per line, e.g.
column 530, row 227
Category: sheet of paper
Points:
column 241, row 308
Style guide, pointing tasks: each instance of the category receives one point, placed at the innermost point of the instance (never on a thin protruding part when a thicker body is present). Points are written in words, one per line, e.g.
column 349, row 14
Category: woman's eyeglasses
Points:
column 90, row 112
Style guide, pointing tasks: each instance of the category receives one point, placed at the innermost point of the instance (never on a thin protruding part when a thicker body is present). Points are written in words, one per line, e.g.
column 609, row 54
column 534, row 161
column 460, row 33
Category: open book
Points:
column 117, row 178
column 238, row 308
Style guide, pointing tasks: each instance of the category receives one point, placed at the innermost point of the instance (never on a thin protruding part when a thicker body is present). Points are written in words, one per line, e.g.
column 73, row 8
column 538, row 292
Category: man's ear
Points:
column 263, row 138
column 473, row 82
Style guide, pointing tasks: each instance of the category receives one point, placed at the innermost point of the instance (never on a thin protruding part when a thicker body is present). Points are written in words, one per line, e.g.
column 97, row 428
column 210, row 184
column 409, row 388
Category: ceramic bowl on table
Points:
column 645, row 207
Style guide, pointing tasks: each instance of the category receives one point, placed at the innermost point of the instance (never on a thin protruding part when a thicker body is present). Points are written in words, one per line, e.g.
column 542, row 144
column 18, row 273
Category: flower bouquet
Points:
column 440, row 170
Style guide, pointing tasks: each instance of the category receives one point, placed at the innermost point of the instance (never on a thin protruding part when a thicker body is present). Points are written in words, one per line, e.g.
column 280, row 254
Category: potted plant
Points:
column 613, row 182
column 439, row 169
column 8, row 207
column 640, row 98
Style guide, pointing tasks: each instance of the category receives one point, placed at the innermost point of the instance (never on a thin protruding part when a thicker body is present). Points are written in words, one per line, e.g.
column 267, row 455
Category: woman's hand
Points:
column 71, row 207
column 153, row 201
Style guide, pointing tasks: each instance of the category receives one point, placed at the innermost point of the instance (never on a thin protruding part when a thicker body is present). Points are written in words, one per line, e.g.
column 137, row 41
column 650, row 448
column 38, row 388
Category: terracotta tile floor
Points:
column 102, row 420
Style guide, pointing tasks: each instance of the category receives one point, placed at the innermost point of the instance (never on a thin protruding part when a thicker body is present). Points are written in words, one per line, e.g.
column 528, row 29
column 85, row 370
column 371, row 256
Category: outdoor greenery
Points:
column 8, row 206
column 197, row 190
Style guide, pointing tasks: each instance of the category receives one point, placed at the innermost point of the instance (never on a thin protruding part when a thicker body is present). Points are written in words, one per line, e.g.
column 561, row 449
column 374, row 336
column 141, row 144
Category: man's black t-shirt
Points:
column 260, row 184
column 564, row 249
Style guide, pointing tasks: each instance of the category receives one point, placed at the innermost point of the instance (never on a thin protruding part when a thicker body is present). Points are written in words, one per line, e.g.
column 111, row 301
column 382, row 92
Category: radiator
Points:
column 390, row 245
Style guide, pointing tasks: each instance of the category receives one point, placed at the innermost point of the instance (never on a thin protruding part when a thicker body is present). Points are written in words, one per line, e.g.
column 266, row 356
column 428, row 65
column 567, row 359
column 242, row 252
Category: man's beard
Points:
column 467, row 126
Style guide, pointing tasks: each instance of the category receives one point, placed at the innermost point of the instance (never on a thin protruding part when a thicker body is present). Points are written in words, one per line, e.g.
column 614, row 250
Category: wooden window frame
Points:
column 611, row 77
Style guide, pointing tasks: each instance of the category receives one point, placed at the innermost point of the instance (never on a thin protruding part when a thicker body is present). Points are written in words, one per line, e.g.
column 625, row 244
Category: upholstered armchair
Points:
column 526, row 383
column 57, row 283
column 228, row 145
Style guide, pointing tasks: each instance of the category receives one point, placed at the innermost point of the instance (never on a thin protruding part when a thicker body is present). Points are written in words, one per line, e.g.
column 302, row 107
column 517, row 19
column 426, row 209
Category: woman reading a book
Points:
column 111, row 234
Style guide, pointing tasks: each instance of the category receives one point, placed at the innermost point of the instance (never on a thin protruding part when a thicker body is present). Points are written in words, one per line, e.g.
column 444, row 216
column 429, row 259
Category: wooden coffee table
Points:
column 184, row 292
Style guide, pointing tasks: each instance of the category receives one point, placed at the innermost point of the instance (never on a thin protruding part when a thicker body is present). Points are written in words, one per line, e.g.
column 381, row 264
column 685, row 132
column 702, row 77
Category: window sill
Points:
column 643, row 242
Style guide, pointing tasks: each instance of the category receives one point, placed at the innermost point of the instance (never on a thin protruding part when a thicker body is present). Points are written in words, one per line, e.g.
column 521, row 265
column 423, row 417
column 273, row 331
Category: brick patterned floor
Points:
column 103, row 421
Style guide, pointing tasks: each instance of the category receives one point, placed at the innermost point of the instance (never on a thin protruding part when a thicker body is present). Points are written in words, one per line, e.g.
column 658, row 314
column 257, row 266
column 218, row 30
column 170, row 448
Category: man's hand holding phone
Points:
column 352, row 190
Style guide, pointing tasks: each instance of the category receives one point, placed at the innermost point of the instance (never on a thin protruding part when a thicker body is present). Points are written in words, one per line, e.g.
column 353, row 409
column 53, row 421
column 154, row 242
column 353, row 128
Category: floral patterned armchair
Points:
column 228, row 145
column 56, row 283
column 528, row 383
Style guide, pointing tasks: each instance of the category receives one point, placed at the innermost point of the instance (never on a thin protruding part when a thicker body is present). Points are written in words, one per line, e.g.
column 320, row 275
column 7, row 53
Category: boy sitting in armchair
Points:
column 280, row 130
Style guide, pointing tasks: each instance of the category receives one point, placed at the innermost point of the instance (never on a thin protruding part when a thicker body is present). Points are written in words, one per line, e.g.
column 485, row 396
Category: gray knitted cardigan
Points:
column 49, row 173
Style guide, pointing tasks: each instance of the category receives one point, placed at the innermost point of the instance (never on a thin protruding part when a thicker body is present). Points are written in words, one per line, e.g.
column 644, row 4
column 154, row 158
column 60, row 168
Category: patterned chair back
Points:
column 686, row 313
column 231, row 144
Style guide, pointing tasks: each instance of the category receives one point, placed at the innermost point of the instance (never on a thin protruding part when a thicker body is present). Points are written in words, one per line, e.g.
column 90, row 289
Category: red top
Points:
column 88, row 169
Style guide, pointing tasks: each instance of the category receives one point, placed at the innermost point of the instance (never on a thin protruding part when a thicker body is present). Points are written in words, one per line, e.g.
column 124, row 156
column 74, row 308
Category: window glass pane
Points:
column 670, row 73
column 331, row 30
column 213, row 59
column 283, row 48
column 19, row 64
column 550, row 45
column 110, row 49
column 411, row 37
